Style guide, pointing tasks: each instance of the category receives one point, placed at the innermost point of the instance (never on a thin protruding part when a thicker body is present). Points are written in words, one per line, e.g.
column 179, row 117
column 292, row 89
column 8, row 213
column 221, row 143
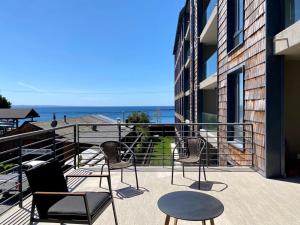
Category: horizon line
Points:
column 95, row 105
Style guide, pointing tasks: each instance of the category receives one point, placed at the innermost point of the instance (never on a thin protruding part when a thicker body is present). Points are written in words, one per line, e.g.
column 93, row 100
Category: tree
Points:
column 4, row 103
column 138, row 117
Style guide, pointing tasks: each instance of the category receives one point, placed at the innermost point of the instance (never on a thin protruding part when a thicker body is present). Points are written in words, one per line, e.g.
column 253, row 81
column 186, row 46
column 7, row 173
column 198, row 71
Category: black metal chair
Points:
column 190, row 152
column 54, row 202
column 118, row 156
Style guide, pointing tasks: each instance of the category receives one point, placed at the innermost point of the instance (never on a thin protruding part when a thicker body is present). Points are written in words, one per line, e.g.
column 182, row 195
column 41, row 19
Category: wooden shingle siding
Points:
column 252, row 55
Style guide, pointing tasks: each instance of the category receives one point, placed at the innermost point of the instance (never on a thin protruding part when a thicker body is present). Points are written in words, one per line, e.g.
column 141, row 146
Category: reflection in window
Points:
column 236, row 106
column 235, row 23
column 292, row 12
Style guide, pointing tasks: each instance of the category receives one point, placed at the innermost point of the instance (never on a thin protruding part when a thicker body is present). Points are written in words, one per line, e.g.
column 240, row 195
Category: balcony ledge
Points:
column 209, row 83
column 187, row 64
column 187, row 33
column 287, row 42
column 209, row 33
column 187, row 93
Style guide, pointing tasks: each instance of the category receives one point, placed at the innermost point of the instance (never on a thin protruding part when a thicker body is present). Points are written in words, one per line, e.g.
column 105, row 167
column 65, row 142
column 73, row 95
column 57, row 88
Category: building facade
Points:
column 238, row 61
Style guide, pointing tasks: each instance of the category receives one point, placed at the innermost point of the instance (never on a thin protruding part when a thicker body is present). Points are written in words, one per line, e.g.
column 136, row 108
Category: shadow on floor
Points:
column 129, row 192
column 215, row 186
column 295, row 180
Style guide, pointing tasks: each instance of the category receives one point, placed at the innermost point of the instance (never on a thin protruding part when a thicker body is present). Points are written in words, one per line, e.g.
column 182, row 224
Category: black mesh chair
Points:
column 54, row 202
column 118, row 156
column 190, row 153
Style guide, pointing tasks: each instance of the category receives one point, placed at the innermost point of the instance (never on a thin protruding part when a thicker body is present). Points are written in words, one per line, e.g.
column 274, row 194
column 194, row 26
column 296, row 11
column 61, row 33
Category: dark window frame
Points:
column 235, row 24
column 236, row 113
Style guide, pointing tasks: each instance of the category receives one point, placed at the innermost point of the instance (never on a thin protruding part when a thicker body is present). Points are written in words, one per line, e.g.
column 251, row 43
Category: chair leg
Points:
column 136, row 177
column 203, row 222
column 122, row 175
column 172, row 179
column 183, row 170
column 32, row 212
column 199, row 179
column 204, row 173
column 101, row 177
column 114, row 211
column 212, row 222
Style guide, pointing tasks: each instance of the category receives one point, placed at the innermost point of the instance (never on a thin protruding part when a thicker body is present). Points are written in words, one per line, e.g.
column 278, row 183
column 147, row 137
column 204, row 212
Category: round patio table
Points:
column 190, row 206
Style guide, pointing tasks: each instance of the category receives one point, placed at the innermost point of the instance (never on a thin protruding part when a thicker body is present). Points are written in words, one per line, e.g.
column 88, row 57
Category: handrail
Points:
column 29, row 134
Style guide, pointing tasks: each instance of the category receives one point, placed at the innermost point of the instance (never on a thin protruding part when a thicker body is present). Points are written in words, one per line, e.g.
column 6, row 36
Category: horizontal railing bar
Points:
column 159, row 124
column 10, row 150
column 29, row 134
column 37, row 142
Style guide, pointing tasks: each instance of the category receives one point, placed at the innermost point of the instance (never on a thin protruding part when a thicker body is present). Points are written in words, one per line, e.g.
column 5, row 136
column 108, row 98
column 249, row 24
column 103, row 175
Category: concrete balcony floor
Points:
column 249, row 199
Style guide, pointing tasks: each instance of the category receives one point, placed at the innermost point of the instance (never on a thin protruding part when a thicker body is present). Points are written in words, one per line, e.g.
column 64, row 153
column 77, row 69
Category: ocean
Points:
column 157, row 114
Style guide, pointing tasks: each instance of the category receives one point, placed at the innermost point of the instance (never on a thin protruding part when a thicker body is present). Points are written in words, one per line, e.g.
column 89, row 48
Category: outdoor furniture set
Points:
column 55, row 204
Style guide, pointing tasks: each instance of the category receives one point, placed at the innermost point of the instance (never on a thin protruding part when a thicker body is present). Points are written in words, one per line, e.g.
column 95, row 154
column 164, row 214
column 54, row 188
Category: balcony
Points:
column 187, row 56
column 211, row 119
column 244, row 201
column 187, row 32
column 76, row 146
column 186, row 79
column 287, row 42
column 209, row 76
column 210, row 66
column 210, row 22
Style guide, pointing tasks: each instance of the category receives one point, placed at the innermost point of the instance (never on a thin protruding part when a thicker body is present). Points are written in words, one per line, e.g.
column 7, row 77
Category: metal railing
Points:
column 23, row 151
column 153, row 144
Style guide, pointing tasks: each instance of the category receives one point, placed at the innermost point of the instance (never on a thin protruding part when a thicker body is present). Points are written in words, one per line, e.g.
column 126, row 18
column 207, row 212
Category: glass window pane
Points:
column 241, row 15
column 241, row 98
column 292, row 12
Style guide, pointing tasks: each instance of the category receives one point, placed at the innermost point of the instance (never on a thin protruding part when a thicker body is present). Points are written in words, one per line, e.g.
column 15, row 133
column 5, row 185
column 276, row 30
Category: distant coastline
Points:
column 158, row 114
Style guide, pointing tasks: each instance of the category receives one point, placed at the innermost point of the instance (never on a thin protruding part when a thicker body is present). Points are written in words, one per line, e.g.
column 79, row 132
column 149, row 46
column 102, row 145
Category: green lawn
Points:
column 163, row 147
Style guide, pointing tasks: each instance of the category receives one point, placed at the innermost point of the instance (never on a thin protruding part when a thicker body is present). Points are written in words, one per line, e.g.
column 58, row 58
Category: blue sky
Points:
column 88, row 52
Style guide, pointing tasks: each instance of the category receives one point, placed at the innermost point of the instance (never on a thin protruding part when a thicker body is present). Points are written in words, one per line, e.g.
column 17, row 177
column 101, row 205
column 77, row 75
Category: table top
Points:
column 190, row 206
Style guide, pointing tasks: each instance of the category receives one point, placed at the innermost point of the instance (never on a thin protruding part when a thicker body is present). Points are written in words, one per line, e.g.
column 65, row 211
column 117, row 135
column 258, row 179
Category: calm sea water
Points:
column 161, row 114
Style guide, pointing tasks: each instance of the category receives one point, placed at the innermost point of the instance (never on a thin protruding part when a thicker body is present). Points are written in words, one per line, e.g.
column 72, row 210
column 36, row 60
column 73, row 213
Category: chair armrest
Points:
column 95, row 176
column 40, row 193
column 100, row 149
column 91, row 175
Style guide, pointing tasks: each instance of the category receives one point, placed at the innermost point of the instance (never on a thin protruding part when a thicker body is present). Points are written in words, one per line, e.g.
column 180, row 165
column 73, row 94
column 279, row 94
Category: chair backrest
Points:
column 194, row 146
column 47, row 177
column 112, row 150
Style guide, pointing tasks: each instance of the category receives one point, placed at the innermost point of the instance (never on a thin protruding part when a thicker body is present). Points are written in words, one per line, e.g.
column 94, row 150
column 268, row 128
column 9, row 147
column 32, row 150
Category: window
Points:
column 292, row 12
column 235, row 112
column 235, row 23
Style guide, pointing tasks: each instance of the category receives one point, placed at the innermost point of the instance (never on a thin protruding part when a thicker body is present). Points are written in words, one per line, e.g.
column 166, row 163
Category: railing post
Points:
column 206, row 146
column 119, row 130
column 75, row 146
column 163, row 146
column 252, row 144
column 53, row 145
column 20, row 177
